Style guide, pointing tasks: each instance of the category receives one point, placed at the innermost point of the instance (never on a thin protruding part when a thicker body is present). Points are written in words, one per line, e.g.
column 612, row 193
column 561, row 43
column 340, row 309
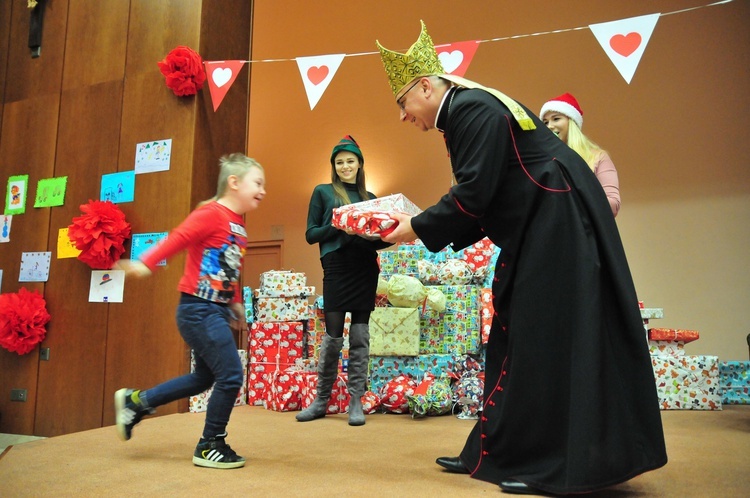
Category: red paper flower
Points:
column 22, row 320
column 183, row 70
column 100, row 234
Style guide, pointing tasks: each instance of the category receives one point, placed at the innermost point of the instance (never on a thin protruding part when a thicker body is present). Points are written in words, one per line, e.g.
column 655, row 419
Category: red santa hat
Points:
column 565, row 104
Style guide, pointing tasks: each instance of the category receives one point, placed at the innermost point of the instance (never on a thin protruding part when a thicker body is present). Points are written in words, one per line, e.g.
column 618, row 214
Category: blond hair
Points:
column 235, row 164
column 583, row 145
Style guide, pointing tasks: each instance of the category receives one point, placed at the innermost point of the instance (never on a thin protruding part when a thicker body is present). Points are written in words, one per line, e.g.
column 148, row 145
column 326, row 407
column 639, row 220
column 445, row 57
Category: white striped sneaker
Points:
column 216, row 454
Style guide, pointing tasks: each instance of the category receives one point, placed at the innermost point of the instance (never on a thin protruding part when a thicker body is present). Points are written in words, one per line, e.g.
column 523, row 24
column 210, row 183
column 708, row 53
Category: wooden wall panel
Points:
column 29, row 77
column 144, row 346
column 26, row 147
column 96, row 53
column 87, row 148
column 79, row 111
column 157, row 28
column 225, row 35
column 5, row 8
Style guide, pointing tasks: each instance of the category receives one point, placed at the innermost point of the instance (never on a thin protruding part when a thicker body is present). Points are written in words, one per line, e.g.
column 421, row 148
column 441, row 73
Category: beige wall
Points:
column 674, row 132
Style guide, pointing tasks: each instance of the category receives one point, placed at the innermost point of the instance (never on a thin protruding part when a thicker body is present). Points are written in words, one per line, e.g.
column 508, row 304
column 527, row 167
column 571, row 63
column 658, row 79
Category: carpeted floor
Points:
column 392, row 455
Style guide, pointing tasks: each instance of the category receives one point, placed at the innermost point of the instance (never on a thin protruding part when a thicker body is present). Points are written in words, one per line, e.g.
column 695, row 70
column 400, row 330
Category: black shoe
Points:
column 452, row 464
column 518, row 488
column 216, row 454
column 128, row 413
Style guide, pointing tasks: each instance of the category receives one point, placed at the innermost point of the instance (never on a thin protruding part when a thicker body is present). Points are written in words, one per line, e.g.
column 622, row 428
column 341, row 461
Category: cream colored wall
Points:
column 675, row 132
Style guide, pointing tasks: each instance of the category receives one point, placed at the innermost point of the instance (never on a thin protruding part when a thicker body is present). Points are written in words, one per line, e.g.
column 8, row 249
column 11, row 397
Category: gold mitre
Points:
column 420, row 60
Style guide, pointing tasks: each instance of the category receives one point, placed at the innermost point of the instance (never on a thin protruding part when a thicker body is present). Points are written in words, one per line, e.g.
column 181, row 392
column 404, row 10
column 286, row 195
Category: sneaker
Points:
column 216, row 454
column 128, row 413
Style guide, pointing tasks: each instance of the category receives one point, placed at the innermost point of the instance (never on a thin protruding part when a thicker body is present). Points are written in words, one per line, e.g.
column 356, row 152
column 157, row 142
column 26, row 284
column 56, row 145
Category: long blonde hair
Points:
column 583, row 145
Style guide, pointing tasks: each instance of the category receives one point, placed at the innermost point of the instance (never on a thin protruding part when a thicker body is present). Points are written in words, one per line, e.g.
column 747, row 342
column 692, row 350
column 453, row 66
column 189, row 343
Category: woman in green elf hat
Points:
column 350, row 279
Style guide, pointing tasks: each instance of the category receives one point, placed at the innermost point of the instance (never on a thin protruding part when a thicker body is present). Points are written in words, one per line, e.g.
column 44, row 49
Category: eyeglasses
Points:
column 400, row 100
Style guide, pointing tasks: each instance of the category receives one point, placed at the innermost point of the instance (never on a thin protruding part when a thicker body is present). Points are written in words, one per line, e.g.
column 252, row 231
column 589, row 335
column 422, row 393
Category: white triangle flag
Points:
column 317, row 72
column 624, row 41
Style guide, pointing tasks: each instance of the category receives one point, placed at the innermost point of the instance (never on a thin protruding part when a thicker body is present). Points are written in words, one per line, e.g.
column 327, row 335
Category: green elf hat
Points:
column 350, row 145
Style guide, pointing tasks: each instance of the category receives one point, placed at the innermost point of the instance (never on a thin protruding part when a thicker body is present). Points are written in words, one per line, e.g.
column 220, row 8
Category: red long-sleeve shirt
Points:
column 215, row 239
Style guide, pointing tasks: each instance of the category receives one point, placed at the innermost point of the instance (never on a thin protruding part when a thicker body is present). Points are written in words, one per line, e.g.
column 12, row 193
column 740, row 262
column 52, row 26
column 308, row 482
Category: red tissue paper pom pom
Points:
column 100, row 234
column 22, row 320
column 183, row 70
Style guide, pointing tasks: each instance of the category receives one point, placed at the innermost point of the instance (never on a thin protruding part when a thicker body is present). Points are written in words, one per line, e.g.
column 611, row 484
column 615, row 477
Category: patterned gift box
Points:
column 199, row 402
column 647, row 313
column 280, row 309
column 669, row 348
column 687, row 382
column 299, row 291
column 394, row 331
column 339, row 401
column 455, row 330
column 370, row 218
column 279, row 280
column 385, row 368
column 735, row 382
column 272, row 347
column 284, row 392
column 247, row 297
column 661, row 334
column 486, row 312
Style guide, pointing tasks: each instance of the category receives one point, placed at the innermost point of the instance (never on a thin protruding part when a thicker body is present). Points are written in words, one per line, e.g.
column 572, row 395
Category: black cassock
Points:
column 570, row 401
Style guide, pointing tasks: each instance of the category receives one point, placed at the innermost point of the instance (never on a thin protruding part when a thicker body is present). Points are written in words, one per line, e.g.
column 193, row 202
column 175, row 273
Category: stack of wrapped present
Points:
column 422, row 341
column 683, row 382
column 275, row 340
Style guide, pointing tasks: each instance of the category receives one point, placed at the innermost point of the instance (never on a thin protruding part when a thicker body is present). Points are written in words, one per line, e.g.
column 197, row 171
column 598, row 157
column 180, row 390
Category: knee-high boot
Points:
column 328, row 366
column 359, row 359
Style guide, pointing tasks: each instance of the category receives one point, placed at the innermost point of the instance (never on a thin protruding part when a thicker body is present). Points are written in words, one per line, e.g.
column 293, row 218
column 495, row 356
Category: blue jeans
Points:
column 205, row 328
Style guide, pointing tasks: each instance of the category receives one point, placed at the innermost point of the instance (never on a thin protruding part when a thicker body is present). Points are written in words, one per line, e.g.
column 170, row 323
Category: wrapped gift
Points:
column 394, row 331
column 486, row 313
column 299, row 291
column 284, row 392
column 272, row 347
column 339, row 401
column 670, row 348
column 684, row 336
column 279, row 309
column 280, row 280
column 384, row 368
column 247, row 297
column 647, row 313
column 199, row 402
column 433, row 396
column 455, row 330
column 735, row 382
column 394, row 395
column 687, row 382
column 370, row 218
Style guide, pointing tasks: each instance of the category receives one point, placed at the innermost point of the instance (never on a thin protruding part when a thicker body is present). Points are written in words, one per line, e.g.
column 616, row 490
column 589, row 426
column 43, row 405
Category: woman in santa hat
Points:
column 564, row 116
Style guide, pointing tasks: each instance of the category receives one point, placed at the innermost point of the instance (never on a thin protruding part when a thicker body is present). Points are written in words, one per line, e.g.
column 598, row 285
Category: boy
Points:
column 215, row 239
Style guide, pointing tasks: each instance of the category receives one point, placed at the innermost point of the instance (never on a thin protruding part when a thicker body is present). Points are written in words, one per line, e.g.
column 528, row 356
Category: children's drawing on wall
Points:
column 34, row 266
column 15, row 200
column 5, row 228
column 50, row 192
column 153, row 156
column 142, row 242
column 118, row 187
column 106, row 286
column 65, row 246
